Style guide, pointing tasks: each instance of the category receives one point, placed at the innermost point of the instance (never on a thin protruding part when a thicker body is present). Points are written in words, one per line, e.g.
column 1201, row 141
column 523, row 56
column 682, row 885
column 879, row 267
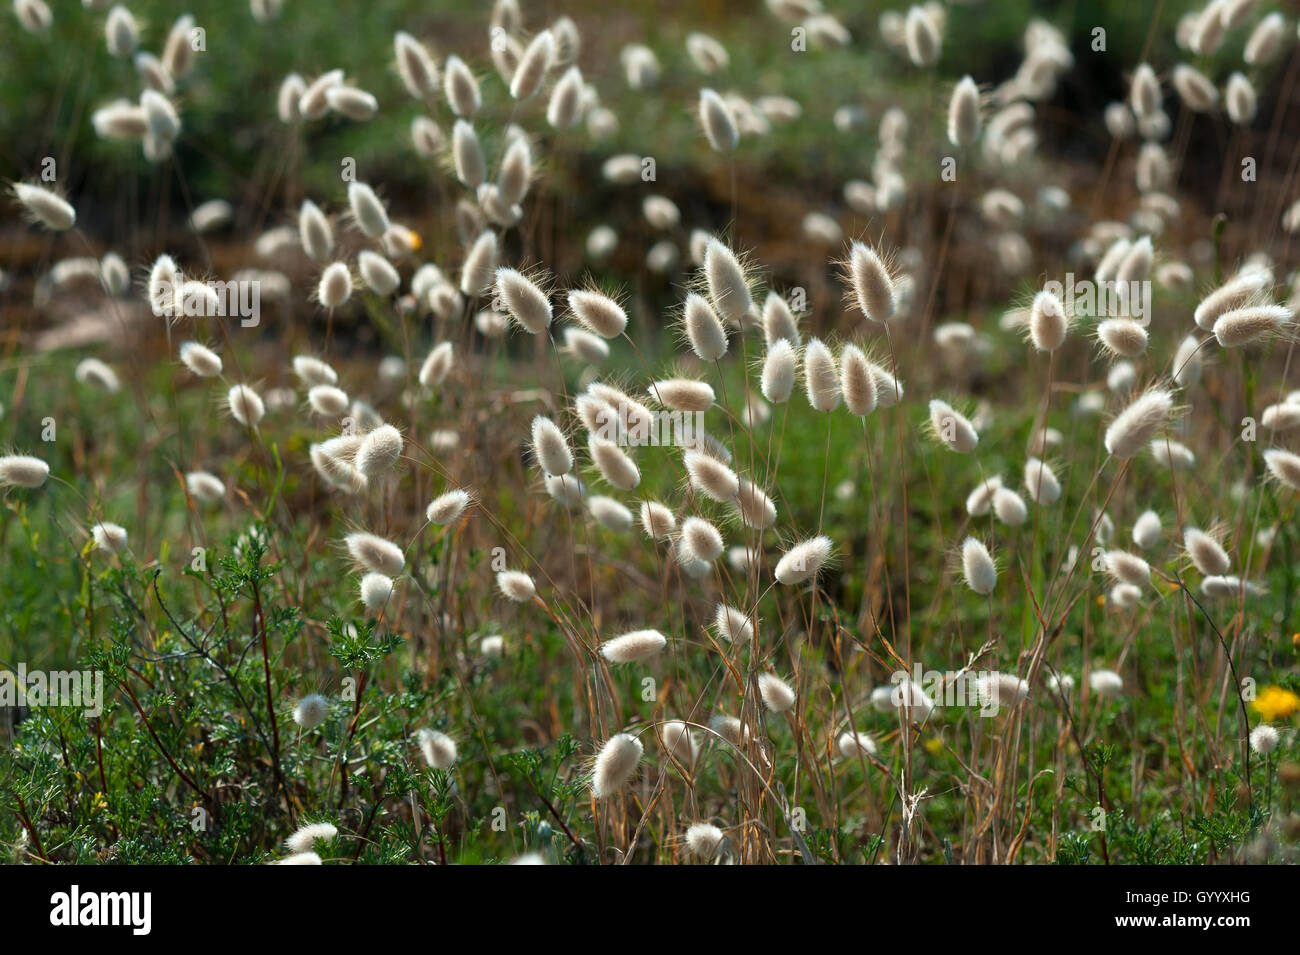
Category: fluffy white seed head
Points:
column 1137, row 424
column 34, row 15
column 204, row 486
column 980, row 501
column 598, row 313
column 1265, row 40
column 1264, row 739
column 447, row 508
column 376, row 589
column 120, row 119
column 754, row 506
column 614, row 464
column 615, row 765
column 380, row 450
column 1187, row 364
column 480, row 267
column 1144, row 91
column 633, row 647
column 375, row 554
column 1122, row 337
column 312, row 371
column 1243, row 326
column 857, row 383
column 1194, row 88
column 977, row 567
column 1048, row 323
column 821, row 378
column 160, row 113
column 1128, row 568
column 313, row 101
column 704, row 839
column 121, row 32
column 682, row 394
column 803, row 561
column 438, row 749
column 1205, row 552
column 415, row 66
column 565, row 107
column 245, row 405
column 461, row 87
column 889, row 390
column 1147, row 530
column 516, row 171
column 315, row 232
column 727, row 284
column 922, row 37
column 1172, row 454
column 22, row 470
column 855, row 745
column 524, row 300
column 778, row 696
column 1106, row 683
column 1235, row 293
column 609, row 513
column 351, row 102
column 952, row 427
column 657, row 521
column 516, row 585
column 679, row 740
column 711, row 477
column 964, row 113
column 179, row 53
column 367, row 210
column 45, row 206
column 582, row 343
column 565, row 488
column 1240, row 100
column 704, row 330
column 305, row 837
column 311, row 710
column 779, row 371
column 109, row 536
column 427, row 137
column 701, row 540
column 550, row 447
column 1009, row 507
column 467, row 155
column 718, row 122
column 1041, row 482
column 732, row 625
column 536, row 61
column 873, row 286
column 778, row 321
column 1004, row 690
column 1283, row 467
column 92, row 371
column 378, row 273
column 335, row 286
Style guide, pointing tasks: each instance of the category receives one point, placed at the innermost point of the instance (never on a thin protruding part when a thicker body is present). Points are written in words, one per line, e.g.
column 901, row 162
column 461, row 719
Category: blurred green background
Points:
column 50, row 84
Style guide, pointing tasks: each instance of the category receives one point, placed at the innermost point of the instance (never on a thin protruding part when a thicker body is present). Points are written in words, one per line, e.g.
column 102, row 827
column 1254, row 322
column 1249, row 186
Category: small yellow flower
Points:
column 1275, row 703
column 416, row 241
column 99, row 803
column 934, row 746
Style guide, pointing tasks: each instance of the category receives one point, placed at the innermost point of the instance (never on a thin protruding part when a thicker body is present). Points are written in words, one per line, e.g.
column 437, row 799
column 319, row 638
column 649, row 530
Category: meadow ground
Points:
column 732, row 433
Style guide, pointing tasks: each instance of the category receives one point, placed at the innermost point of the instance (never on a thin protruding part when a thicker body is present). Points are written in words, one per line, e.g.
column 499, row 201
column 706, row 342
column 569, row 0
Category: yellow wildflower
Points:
column 1275, row 703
